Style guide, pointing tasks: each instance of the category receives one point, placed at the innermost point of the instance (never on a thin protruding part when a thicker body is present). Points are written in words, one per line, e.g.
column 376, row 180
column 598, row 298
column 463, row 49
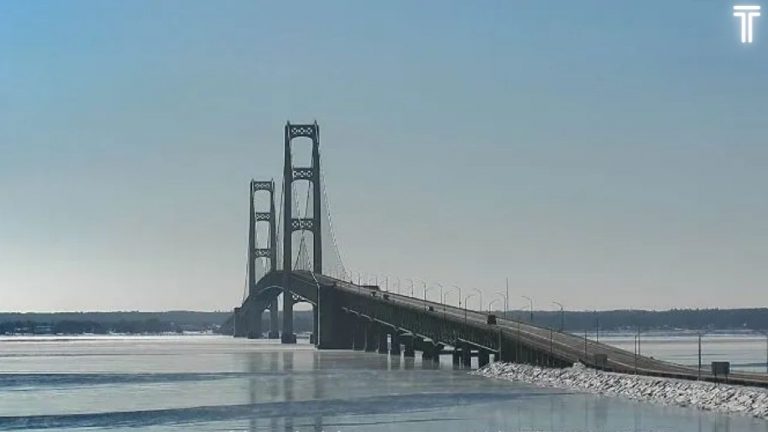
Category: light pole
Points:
column 597, row 326
column 700, row 334
column 479, row 293
column 490, row 305
column 506, row 302
column 426, row 288
column 411, row 281
column 465, row 305
column 506, row 295
column 398, row 284
column 766, row 350
column 450, row 290
column 439, row 285
column 530, row 302
column 637, row 348
column 458, row 288
column 423, row 285
column 503, row 298
column 562, row 315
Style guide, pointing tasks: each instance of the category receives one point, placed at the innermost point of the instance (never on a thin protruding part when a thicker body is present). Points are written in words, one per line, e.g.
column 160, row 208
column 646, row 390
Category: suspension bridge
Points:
column 363, row 317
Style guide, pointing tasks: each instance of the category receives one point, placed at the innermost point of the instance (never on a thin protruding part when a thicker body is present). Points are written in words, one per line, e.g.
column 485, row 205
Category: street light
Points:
column 398, row 284
column 450, row 290
column 439, row 285
column 426, row 289
column 480, row 293
column 765, row 333
column 458, row 288
column 597, row 326
column 490, row 305
column 504, row 299
column 465, row 305
column 423, row 285
column 766, row 352
column 562, row 315
column 700, row 335
column 505, row 296
column 411, row 281
column 530, row 302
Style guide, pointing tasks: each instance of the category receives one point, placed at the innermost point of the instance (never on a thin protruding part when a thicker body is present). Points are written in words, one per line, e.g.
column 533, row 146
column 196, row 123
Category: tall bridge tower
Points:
column 291, row 223
column 255, row 253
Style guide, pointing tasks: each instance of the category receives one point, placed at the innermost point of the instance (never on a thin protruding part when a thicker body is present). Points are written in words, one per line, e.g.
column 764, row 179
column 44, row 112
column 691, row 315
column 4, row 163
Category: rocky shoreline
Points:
column 707, row 396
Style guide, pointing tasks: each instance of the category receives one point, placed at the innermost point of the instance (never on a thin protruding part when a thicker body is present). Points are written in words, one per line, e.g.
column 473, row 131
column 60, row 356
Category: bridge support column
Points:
column 483, row 358
column 431, row 352
column 254, row 322
column 239, row 324
column 333, row 328
column 358, row 334
column 315, row 326
column 394, row 347
column 371, row 337
column 274, row 324
column 383, row 341
column 409, row 343
column 288, row 337
column 466, row 355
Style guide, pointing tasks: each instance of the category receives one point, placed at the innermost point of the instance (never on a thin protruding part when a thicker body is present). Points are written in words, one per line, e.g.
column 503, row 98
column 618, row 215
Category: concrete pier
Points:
column 394, row 344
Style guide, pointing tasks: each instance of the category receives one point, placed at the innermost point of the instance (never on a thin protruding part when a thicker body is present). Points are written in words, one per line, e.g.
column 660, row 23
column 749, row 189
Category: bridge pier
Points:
column 466, row 355
column 240, row 324
column 371, row 337
column 483, row 358
column 394, row 347
column 434, row 351
column 358, row 334
column 253, row 320
column 408, row 341
column 288, row 337
column 315, row 325
column 274, row 324
column 427, row 352
column 383, row 341
column 333, row 328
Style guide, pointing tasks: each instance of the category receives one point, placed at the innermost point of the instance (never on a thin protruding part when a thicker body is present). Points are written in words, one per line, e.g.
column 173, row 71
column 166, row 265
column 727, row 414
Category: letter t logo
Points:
column 747, row 15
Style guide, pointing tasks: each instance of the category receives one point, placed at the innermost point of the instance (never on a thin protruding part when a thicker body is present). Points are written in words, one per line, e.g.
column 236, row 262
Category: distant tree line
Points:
column 109, row 322
column 674, row 319
column 576, row 321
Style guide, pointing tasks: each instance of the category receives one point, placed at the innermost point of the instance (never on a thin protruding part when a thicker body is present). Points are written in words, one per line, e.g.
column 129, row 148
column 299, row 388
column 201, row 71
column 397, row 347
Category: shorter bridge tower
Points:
column 248, row 322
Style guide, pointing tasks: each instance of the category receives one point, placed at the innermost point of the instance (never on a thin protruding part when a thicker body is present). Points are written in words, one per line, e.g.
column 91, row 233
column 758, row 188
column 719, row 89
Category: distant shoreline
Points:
column 617, row 321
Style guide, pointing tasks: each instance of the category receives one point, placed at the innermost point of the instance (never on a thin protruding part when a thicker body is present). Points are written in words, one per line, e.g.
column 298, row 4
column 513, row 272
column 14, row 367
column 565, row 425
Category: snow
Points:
column 704, row 395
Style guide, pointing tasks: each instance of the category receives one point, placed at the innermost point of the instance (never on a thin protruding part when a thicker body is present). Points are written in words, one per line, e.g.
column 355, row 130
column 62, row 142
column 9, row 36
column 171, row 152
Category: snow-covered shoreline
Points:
column 708, row 396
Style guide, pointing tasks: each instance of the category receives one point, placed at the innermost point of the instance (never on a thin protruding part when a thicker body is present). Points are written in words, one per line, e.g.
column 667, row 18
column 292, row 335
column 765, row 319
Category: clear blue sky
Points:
column 601, row 154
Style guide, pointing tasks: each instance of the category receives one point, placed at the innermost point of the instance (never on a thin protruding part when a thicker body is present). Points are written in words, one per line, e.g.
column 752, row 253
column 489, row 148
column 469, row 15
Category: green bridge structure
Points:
column 349, row 316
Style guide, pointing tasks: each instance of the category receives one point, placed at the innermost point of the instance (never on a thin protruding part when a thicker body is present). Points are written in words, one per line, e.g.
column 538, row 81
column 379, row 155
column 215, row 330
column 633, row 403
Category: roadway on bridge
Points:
column 564, row 345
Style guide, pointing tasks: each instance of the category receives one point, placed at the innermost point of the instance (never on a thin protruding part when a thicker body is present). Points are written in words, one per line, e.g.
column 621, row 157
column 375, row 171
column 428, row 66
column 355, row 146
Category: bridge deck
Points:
column 565, row 346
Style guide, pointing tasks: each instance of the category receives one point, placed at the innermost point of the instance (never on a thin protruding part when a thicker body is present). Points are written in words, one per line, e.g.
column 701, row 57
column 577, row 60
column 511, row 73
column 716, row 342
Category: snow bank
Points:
column 708, row 396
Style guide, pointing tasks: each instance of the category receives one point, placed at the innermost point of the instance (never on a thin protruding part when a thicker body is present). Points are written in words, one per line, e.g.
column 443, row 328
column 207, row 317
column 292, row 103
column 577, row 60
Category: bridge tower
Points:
column 292, row 224
column 255, row 253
